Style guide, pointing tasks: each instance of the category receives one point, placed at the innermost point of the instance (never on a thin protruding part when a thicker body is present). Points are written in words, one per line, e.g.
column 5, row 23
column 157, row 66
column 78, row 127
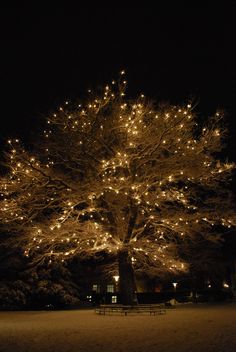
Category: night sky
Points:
column 49, row 55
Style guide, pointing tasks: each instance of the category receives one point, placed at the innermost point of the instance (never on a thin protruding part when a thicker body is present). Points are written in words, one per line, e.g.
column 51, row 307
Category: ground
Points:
column 190, row 328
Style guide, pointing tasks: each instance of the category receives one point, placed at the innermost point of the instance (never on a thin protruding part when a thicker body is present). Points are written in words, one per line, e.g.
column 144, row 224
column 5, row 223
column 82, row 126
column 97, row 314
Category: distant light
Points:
column 175, row 284
column 116, row 278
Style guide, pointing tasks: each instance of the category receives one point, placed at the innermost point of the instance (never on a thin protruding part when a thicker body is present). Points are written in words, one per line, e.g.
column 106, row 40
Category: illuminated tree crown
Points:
column 115, row 175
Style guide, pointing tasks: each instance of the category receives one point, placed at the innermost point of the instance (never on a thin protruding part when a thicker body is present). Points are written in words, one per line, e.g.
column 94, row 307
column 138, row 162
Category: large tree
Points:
column 127, row 178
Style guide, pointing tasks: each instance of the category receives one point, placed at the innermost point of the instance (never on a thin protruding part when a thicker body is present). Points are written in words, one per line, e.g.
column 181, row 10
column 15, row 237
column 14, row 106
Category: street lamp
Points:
column 116, row 278
column 175, row 285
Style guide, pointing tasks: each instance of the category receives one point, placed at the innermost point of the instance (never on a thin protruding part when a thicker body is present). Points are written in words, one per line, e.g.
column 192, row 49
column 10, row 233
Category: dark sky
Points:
column 170, row 53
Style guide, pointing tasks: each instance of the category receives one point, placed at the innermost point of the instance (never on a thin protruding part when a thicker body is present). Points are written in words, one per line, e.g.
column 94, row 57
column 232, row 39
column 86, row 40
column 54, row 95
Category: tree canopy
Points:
column 116, row 176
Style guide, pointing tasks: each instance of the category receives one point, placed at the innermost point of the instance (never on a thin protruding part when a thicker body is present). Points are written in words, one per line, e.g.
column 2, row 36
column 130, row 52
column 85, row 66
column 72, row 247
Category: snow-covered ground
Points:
column 190, row 328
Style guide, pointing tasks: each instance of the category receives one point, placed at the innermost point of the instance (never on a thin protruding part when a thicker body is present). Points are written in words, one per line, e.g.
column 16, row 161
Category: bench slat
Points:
column 125, row 310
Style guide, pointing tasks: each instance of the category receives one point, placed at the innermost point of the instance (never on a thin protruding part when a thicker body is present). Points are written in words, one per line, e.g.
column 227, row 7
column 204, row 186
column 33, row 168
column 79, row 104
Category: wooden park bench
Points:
column 111, row 309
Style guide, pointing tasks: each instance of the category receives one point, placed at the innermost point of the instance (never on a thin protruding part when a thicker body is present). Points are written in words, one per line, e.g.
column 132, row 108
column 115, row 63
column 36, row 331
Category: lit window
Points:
column 96, row 288
column 110, row 288
column 113, row 299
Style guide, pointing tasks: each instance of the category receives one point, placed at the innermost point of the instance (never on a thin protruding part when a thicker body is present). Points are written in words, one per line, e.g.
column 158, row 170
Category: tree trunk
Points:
column 127, row 280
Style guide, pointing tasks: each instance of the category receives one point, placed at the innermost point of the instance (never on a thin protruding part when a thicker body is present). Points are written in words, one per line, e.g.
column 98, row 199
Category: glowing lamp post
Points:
column 116, row 278
column 175, row 285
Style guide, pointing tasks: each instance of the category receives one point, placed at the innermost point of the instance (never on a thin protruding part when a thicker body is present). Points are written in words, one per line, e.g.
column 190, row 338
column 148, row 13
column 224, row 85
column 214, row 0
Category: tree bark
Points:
column 127, row 279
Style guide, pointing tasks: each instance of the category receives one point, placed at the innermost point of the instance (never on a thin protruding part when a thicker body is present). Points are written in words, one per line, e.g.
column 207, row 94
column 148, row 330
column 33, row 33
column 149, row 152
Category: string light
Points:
column 108, row 164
